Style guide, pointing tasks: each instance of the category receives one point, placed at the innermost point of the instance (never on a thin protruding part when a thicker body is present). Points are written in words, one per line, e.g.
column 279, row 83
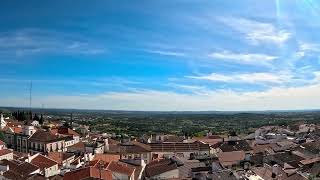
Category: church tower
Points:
column 3, row 122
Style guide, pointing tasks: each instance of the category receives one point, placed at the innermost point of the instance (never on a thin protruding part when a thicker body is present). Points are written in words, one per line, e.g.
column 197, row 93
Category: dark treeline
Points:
column 27, row 115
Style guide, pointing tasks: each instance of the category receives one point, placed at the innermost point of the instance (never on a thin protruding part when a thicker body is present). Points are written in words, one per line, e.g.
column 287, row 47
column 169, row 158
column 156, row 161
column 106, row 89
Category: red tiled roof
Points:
column 59, row 157
column 159, row 166
column 230, row 158
column 19, row 171
column 15, row 129
column 179, row 147
column 44, row 136
column 64, row 131
column 5, row 151
column 80, row 146
column 106, row 157
column 43, row 162
column 121, row 168
column 19, row 155
column 88, row 172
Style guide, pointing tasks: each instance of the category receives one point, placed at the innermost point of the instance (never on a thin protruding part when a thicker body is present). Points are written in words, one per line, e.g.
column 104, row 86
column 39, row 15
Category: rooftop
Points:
column 160, row 166
column 43, row 162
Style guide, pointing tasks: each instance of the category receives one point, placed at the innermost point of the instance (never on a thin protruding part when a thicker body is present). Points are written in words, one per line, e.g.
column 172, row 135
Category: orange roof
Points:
column 88, row 172
column 5, row 151
column 121, row 168
column 230, row 158
column 80, row 146
column 43, row 162
column 106, row 157
column 15, row 129
column 206, row 140
column 59, row 157
column 64, row 131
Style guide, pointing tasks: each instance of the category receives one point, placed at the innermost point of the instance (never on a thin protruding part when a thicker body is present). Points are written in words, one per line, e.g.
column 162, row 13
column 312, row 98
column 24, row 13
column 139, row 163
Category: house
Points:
column 35, row 123
column 48, row 167
column 188, row 165
column 214, row 141
column 77, row 148
column 273, row 172
column 107, row 157
column 6, row 154
column 89, row 172
column 94, row 147
column 44, row 142
column 181, row 150
column 161, row 169
column 237, row 145
column 223, row 175
column 283, row 158
column 62, row 158
column 231, row 159
column 74, row 137
column 17, row 170
column 121, row 170
column 130, row 150
column 17, row 136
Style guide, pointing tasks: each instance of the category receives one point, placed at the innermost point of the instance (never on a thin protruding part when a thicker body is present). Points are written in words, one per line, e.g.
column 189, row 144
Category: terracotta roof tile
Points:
column 88, row 172
column 64, row 131
column 17, row 170
column 43, row 162
column 159, row 166
column 230, row 158
column 106, row 157
column 121, row 168
column 80, row 146
column 44, row 136
column 59, row 157
column 5, row 151
column 179, row 147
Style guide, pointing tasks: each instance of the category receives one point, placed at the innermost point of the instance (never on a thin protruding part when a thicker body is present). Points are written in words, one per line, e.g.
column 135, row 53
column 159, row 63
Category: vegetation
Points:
column 195, row 124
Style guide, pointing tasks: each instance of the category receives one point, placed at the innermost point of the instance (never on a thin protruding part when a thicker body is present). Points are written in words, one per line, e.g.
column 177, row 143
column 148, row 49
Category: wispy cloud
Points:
column 248, row 58
column 165, row 53
column 306, row 49
column 251, row 78
column 257, row 32
column 38, row 41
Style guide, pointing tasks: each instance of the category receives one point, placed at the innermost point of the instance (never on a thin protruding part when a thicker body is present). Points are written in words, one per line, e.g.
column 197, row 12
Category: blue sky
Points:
column 161, row 55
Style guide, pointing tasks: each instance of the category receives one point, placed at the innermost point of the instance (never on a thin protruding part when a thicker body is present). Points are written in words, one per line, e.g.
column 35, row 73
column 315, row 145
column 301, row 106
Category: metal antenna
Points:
column 30, row 100
column 30, row 97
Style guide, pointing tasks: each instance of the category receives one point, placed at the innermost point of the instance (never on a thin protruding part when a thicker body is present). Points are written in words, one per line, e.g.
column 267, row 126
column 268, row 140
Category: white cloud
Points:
column 36, row 41
column 165, row 53
column 307, row 49
column 257, row 32
column 251, row 78
column 248, row 58
column 278, row 98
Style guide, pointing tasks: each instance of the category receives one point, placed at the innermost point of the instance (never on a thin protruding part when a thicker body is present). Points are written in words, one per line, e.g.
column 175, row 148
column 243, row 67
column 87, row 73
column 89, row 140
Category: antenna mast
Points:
column 30, row 97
